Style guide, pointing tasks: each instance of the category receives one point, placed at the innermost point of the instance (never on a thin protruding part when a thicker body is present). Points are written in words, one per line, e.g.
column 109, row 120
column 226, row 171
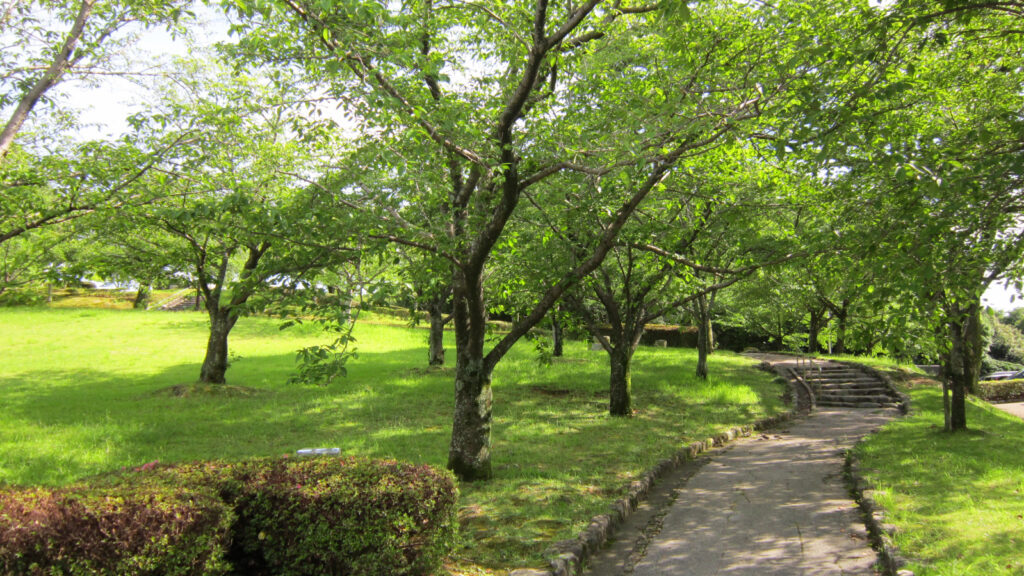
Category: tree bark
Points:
column 436, row 351
column 469, row 454
column 620, row 382
column 215, row 365
column 141, row 297
column 702, row 312
column 50, row 77
column 963, row 361
column 558, row 348
column 813, row 328
column 841, row 316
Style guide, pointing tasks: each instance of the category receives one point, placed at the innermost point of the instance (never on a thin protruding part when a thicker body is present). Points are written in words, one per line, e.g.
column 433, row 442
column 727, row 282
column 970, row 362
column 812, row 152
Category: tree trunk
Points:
column 436, row 352
column 141, row 297
column 963, row 361
column 469, row 455
column 620, row 383
column 556, row 336
column 704, row 335
column 841, row 316
column 813, row 328
column 199, row 300
column 62, row 61
column 216, row 362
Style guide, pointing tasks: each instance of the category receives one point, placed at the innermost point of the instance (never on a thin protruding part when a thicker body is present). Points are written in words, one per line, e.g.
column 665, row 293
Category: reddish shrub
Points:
column 134, row 530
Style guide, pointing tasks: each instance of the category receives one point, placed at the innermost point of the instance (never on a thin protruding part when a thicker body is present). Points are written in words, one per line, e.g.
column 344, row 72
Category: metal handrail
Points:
column 177, row 295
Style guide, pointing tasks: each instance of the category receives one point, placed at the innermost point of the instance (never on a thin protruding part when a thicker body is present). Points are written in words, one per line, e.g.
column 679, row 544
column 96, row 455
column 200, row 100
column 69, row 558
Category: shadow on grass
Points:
column 110, row 420
column 558, row 457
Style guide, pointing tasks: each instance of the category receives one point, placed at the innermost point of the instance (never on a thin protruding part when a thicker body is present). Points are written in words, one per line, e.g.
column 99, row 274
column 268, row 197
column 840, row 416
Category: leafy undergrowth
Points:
column 957, row 500
column 86, row 391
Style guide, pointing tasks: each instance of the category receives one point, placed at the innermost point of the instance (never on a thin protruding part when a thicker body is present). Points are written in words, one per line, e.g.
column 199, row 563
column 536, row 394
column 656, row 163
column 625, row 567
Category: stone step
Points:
column 841, row 387
column 845, row 381
column 838, row 375
column 854, row 394
column 854, row 399
column 836, row 404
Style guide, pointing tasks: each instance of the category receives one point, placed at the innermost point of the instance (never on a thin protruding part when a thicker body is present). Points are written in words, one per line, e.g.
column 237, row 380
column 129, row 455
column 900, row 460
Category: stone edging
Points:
column 879, row 532
column 571, row 555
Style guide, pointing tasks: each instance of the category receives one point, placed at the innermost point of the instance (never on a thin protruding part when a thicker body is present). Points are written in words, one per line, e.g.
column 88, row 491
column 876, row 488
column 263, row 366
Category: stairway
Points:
column 839, row 385
column 183, row 300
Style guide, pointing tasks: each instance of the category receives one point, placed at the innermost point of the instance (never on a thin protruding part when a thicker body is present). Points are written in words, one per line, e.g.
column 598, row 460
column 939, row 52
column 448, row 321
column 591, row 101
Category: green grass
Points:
column 956, row 499
column 84, row 391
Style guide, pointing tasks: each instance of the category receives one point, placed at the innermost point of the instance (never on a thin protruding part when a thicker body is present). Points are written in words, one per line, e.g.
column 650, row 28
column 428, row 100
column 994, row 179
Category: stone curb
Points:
column 879, row 532
column 569, row 556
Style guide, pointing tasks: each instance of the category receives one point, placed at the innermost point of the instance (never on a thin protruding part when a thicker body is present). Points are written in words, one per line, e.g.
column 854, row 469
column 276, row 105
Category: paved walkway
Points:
column 1015, row 408
column 774, row 504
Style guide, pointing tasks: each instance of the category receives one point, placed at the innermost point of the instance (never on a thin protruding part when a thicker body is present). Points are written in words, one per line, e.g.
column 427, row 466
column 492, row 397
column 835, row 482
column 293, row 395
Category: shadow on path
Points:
column 773, row 504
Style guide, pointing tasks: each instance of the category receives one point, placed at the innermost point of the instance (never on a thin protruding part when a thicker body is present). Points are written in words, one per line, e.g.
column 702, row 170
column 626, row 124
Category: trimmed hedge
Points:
column 344, row 516
column 286, row 516
column 134, row 530
column 1001, row 390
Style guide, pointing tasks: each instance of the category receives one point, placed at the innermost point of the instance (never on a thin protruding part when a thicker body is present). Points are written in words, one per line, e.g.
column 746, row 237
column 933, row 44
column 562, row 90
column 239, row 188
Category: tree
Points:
column 537, row 112
column 38, row 57
column 938, row 151
column 233, row 203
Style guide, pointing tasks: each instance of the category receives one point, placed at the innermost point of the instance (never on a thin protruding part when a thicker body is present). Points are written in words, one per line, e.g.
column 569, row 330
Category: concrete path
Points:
column 774, row 504
column 1015, row 408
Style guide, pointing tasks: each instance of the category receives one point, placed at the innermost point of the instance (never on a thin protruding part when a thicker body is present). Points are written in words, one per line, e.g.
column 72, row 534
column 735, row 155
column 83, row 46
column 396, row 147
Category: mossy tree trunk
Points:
column 620, row 383
column 963, row 361
column 215, row 364
column 436, row 346
column 813, row 329
column 142, row 296
column 469, row 453
column 705, row 333
column 558, row 348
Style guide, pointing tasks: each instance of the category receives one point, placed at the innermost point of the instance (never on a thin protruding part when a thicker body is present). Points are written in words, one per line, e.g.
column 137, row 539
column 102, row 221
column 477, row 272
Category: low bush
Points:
column 281, row 517
column 990, row 364
column 1001, row 390
column 344, row 516
column 25, row 296
column 133, row 530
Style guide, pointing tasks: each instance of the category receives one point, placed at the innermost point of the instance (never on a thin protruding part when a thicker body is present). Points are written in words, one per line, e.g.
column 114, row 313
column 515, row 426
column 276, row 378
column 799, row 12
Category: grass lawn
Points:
column 956, row 499
column 86, row 390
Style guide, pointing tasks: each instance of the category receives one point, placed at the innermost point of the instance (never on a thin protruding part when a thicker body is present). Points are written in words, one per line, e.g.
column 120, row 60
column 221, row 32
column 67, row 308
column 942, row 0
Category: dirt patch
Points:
column 551, row 391
column 207, row 390
column 432, row 371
